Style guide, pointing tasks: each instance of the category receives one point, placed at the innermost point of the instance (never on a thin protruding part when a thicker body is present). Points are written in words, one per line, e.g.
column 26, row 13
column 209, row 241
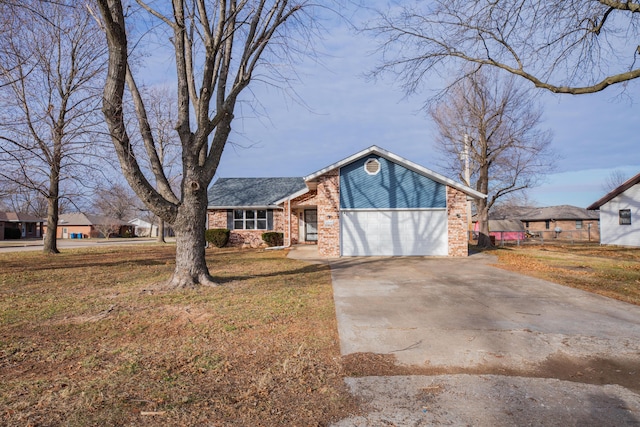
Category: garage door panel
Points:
column 389, row 233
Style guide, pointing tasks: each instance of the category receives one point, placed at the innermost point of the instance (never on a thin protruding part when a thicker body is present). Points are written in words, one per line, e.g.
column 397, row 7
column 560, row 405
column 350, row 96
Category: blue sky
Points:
column 344, row 113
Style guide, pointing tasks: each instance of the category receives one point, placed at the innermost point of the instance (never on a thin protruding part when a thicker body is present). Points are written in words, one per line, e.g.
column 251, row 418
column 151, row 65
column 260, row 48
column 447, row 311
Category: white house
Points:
column 620, row 214
column 143, row 228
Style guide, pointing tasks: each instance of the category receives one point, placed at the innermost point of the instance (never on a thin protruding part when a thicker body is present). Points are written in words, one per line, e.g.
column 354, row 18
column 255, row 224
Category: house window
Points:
column 578, row 224
column 249, row 219
column 526, row 224
column 625, row 216
column 547, row 224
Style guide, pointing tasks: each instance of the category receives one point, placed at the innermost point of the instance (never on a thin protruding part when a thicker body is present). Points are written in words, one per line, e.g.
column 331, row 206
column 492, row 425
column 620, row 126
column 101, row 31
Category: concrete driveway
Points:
column 463, row 315
column 464, row 312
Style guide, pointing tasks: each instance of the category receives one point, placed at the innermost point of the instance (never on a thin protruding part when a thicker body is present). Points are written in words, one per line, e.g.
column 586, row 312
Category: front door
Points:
column 65, row 233
column 311, row 225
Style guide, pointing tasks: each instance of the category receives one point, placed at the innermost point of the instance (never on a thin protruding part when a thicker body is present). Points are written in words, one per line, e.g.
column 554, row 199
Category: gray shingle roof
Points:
column 87, row 219
column 18, row 217
column 246, row 192
column 567, row 212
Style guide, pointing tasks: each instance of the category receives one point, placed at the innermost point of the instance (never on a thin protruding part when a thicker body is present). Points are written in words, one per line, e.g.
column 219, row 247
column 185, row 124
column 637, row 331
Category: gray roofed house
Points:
column 81, row 225
column 21, row 226
column 564, row 222
column 252, row 192
column 372, row 203
column 561, row 212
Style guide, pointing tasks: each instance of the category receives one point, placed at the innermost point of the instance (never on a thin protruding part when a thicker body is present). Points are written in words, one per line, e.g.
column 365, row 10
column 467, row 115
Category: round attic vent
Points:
column 372, row 166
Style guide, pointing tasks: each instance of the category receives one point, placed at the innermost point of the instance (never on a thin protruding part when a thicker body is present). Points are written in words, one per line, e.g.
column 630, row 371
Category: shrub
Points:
column 218, row 237
column 12, row 233
column 273, row 238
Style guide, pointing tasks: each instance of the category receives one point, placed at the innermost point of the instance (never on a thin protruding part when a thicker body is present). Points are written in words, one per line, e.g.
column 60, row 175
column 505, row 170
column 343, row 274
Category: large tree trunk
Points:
column 50, row 238
column 482, row 205
column 482, row 212
column 191, row 266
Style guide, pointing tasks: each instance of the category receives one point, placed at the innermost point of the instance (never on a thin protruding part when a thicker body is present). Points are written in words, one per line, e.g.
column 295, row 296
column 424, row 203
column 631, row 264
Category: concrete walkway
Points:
column 461, row 315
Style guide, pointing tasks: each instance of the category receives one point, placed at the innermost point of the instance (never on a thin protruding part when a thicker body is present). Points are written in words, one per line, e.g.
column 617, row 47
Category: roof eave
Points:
column 293, row 196
column 243, row 207
column 615, row 192
column 404, row 162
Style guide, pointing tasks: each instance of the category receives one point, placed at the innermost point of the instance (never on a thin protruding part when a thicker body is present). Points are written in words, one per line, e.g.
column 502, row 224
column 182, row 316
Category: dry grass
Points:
column 86, row 338
column 606, row 270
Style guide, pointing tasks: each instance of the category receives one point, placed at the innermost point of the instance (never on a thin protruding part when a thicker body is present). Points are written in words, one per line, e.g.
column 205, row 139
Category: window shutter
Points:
column 270, row 219
column 230, row 219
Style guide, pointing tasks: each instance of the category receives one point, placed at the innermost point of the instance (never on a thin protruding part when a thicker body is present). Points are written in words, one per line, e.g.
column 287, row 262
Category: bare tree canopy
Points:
column 116, row 201
column 614, row 180
column 219, row 48
column 493, row 125
column 571, row 46
column 53, row 58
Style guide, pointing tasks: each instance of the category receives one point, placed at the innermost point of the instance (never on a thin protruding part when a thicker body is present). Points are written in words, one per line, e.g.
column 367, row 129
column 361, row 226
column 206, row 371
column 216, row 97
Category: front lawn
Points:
column 88, row 338
column 606, row 270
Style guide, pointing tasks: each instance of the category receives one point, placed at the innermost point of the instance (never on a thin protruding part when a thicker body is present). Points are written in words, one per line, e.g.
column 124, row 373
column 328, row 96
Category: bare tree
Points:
column 494, row 125
column 162, row 108
column 52, row 58
column 570, row 46
column 219, row 47
column 116, row 201
column 614, row 180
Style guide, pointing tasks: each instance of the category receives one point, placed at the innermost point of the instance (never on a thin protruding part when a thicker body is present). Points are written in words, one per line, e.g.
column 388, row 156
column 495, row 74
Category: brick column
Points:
column 329, row 215
column 457, row 223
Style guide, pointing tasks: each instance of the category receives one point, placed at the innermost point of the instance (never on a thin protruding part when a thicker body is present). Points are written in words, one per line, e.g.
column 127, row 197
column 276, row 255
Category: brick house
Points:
column 619, row 212
column 20, row 226
column 563, row 222
column 85, row 226
column 373, row 203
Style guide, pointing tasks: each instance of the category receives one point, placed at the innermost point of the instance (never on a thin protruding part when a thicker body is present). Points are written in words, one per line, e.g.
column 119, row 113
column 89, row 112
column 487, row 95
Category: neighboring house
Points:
column 373, row 203
column 85, row 226
column 142, row 228
column 620, row 214
column 504, row 230
column 14, row 225
column 562, row 222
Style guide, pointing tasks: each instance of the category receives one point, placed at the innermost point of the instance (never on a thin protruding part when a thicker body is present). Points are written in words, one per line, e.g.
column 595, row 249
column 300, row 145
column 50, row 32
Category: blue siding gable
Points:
column 394, row 187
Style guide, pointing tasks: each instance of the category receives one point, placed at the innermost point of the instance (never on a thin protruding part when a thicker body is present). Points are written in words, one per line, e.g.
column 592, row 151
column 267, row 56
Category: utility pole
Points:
column 467, row 178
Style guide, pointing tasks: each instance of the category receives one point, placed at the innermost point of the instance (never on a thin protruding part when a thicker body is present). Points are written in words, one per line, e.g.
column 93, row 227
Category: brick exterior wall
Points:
column 457, row 223
column 329, row 215
column 245, row 238
column 87, row 231
column 568, row 227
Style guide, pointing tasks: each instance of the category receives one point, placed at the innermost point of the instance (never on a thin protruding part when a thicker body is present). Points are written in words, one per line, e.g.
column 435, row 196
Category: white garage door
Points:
column 394, row 233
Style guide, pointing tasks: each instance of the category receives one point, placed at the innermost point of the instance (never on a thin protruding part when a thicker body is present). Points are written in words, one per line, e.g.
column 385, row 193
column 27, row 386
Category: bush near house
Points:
column 273, row 238
column 218, row 237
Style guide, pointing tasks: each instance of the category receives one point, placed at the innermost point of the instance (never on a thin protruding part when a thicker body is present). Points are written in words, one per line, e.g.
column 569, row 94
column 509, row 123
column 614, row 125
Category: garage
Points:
column 394, row 232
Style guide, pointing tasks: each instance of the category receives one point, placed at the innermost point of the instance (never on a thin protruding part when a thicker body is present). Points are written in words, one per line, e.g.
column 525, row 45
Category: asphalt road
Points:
column 36, row 245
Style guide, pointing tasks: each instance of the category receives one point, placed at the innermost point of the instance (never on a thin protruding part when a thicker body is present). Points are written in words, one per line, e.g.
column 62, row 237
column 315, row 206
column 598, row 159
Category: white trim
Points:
column 292, row 196
column 402, row 161
column 369, row 161
column 219, row 208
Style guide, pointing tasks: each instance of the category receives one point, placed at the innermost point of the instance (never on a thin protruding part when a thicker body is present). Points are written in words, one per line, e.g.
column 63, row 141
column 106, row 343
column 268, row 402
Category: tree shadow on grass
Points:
column 308, row 269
